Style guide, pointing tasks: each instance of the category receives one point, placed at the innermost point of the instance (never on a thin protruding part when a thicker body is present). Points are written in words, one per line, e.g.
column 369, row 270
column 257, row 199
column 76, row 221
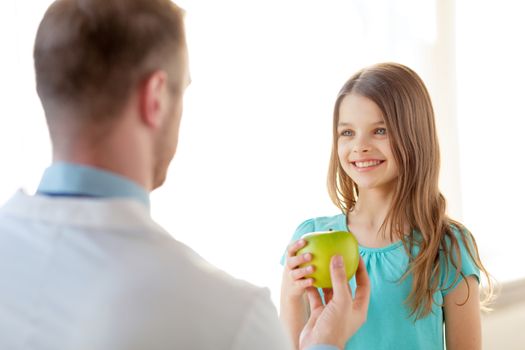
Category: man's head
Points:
column 98, row 60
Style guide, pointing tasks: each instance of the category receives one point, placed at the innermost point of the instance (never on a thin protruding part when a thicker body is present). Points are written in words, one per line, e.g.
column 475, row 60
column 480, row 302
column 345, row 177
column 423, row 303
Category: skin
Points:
column 311, row 318
column 361, row 128
column 142, row 141
column 338, row 304
column 294, row 303
column 363, row 137
column 463, row 320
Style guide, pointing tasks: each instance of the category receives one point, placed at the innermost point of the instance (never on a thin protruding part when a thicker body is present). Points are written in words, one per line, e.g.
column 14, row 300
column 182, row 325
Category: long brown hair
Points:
column 417, row 202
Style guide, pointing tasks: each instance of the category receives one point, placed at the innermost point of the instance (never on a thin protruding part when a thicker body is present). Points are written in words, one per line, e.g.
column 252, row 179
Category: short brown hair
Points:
column 89, row 54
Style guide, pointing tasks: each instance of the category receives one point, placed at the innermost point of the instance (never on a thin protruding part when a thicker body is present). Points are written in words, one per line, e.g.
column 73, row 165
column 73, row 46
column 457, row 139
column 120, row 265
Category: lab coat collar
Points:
column 97, row 213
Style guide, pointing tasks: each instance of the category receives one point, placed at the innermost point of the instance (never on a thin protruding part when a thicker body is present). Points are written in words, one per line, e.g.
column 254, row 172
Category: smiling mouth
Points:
column 367, row 164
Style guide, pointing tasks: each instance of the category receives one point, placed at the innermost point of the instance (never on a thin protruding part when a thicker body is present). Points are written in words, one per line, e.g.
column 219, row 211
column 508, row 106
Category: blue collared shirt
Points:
column 75, row 180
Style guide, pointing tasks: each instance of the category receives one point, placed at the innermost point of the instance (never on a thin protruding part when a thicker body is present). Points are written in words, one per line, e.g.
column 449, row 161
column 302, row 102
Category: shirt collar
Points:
column 67, row 179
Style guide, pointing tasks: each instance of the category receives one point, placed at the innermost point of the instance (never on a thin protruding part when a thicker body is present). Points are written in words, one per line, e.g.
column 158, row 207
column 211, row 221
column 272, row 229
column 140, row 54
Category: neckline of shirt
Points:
column 392, row 246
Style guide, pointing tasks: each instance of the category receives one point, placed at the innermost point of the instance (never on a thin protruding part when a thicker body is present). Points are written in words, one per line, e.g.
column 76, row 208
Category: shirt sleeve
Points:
column 305, row 227
column 261, row 328
column 468, row 266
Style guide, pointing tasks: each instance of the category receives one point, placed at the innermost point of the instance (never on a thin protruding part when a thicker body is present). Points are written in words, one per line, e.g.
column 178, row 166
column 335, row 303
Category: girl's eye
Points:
column 381, row 131
column 347, row 133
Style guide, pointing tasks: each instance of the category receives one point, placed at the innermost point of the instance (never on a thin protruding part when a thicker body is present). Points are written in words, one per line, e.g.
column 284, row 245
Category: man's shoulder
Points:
column 123, row 263
column 183, row 297
column 177, row 264
column 124, row 281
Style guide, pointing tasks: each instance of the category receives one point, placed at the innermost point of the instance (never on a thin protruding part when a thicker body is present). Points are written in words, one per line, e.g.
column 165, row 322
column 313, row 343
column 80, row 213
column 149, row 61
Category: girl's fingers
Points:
column 293, row 261
column 295, row 246
column 301, row 272
column 307, row 282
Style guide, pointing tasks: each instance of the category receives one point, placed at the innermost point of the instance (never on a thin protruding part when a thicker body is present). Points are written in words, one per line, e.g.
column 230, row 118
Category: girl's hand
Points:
column 295, row 281
column 294, row 303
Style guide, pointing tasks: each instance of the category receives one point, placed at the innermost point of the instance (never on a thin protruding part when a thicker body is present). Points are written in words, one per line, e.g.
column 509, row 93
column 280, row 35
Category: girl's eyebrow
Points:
column 379, row 122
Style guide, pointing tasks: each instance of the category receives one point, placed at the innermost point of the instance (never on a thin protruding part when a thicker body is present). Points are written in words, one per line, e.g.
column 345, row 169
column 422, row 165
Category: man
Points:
column 82, row 265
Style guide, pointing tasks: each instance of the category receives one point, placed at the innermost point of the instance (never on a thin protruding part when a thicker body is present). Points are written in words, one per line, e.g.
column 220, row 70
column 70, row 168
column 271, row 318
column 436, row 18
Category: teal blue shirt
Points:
column 74, row 180
column 388, row 324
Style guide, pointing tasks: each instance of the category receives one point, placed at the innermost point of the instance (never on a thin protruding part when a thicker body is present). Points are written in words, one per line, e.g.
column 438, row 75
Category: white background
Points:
column 255, row 137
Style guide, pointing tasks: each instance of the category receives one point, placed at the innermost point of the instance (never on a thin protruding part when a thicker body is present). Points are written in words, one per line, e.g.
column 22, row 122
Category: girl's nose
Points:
column 361, row 148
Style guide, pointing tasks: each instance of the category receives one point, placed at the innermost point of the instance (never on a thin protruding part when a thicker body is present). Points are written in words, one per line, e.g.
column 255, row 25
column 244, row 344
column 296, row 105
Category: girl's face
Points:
column 363, row 145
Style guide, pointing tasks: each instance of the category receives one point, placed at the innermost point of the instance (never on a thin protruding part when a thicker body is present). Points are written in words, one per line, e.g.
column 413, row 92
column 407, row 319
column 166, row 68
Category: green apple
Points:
column 324, row 245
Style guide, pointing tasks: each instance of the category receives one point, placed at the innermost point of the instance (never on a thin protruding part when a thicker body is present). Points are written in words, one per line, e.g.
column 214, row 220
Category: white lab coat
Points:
column 79, row 273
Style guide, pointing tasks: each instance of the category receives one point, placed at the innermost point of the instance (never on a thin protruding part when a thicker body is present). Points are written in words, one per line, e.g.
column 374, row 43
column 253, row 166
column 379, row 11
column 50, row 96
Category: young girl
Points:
column 424, row 267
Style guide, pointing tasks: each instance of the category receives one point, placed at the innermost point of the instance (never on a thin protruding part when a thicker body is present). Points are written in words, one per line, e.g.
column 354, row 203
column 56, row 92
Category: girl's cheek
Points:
column 343, row 150
column 341, row 154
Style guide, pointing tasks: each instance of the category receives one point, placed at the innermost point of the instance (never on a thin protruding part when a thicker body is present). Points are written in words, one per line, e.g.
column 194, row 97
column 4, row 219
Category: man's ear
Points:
column 153, row 98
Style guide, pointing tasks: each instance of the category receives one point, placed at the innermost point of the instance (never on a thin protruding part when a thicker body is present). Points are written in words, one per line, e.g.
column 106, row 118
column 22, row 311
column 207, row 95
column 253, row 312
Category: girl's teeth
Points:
column 367, row 164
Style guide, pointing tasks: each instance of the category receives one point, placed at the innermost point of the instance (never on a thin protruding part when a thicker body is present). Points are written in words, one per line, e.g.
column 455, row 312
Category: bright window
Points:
column 490, row 57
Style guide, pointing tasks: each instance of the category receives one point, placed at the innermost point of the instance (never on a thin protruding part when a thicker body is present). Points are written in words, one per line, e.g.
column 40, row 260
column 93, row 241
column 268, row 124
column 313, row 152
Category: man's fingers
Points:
column 361, row 275
column 312, row 319
column 314, row 298
column 362, row 292
column 328, row 294
column 338, row 276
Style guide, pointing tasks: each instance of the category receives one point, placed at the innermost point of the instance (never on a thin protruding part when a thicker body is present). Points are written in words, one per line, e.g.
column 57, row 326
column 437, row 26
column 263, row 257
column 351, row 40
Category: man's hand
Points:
column 335, row 322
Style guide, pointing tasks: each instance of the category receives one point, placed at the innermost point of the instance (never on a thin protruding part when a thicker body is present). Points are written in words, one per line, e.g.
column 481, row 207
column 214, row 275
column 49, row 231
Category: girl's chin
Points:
column 375, row 186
